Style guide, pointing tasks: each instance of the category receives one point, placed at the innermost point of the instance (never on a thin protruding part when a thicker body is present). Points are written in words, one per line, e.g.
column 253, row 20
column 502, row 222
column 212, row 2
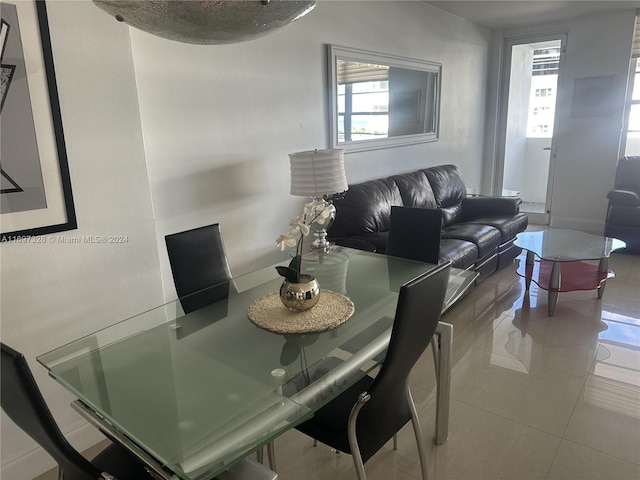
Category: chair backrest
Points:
column 23, row 403
column 414, row 233
column 419, row 306
column 628, row 174
column 199, row 266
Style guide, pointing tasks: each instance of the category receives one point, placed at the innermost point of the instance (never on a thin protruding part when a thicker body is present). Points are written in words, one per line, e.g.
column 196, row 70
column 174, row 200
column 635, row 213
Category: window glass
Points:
column 634, row 118
column 636, row 82
column 542, row 99
column 632, row 146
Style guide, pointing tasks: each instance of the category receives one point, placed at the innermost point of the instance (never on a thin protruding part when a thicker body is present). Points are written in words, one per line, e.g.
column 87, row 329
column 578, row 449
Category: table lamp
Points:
column 319, row 174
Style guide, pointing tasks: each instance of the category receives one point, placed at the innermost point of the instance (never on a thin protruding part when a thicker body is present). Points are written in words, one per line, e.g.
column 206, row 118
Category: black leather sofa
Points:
column 474, row 232
column 623, row 211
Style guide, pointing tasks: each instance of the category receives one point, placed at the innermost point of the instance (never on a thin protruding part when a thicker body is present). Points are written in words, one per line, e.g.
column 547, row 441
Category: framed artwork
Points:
column 35, row 186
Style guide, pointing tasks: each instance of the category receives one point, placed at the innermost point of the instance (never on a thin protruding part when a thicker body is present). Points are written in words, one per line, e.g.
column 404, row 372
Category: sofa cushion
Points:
column 487, row 239
column 509, row 225
column 365, row 208
column 462, row 254
column 415, row 190
column 449, row 191
column 477, row 207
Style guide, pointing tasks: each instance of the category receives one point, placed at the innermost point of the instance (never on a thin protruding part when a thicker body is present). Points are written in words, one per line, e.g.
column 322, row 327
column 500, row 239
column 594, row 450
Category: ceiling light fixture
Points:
column 207, row 22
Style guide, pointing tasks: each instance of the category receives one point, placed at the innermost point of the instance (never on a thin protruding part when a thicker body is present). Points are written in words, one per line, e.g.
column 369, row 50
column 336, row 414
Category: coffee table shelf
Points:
column 573, row 275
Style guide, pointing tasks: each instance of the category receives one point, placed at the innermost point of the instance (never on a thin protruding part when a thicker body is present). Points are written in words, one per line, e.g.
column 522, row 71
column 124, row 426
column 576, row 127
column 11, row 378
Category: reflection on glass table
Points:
column 192, row 394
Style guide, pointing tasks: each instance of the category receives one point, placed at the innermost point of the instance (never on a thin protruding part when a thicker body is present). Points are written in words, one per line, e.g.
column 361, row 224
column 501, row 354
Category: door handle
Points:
column 547, row 148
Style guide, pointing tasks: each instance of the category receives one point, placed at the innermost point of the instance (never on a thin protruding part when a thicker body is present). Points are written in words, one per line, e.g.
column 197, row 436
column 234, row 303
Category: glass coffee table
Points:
column 557, row 261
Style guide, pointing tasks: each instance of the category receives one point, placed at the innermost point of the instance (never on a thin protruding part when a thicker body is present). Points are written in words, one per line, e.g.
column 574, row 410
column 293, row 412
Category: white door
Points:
column 526, row 150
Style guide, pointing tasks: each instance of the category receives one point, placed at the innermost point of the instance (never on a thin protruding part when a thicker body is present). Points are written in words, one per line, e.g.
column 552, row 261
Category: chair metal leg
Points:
column 271, row 453
column 395, row 442
column 435, row 349
column 444, row 334
column 418, row 433
column 353, row 438
column 260, row 455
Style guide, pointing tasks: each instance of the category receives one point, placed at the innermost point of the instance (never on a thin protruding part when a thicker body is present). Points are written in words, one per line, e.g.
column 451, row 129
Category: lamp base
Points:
column 320, row 243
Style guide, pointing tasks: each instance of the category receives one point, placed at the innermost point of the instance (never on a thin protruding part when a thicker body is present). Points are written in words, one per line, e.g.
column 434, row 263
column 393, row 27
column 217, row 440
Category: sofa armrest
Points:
column 624, row 197
column 356, row 243
column 474, row 207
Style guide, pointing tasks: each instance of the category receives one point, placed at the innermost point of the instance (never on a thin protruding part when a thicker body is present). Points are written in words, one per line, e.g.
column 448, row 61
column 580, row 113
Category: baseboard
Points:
column 34, row 462
column 589, row 226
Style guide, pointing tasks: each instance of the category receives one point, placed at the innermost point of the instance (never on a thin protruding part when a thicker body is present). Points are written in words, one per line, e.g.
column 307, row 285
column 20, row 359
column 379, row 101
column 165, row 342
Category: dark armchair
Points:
column 623, row 212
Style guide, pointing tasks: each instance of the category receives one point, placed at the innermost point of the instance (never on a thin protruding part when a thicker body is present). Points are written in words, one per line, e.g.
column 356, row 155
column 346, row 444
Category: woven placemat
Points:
column 269, row 313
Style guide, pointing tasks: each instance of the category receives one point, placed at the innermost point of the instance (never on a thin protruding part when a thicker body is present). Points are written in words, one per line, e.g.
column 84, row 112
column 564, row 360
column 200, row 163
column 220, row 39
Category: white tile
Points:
column 538, row 341
column 298, row 459
column 481, row 446
column 607, row 415
column 575, row 462
column 526, row 393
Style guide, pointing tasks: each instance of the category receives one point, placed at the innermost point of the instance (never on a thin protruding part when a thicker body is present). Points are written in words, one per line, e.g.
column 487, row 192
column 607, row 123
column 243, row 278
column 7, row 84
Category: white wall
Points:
column 517, row 117
column 587, row 147
column 219, row 121
column 587, row 150
column 53, row 293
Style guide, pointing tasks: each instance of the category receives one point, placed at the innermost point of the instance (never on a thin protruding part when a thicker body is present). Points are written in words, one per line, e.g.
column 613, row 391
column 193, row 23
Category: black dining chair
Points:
column 23, row 403
column 414, row 233
column 199, row 266
column 369, row 414
column 202, row 276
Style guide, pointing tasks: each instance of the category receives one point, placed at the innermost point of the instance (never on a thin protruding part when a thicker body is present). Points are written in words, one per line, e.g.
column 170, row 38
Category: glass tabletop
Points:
column 564, row 245
column 203, row 390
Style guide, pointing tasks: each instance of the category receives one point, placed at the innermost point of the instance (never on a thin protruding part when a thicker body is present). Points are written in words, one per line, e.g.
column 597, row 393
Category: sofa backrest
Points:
column 449, row 191
column 415, row 190
column 365, row 208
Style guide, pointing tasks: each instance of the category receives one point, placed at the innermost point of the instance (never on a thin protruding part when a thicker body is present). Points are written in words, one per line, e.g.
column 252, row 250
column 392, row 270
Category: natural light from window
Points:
column 369, row 107
column 633, row 126
column 542, row 98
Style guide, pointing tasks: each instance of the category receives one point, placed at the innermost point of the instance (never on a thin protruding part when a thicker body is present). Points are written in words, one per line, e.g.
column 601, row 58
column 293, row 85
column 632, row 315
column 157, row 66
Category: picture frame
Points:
column 36, row 195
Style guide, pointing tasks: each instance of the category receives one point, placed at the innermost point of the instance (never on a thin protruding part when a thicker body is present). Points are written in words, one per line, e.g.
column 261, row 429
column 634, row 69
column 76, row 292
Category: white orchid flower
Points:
column 323, row 216
column 315, row 212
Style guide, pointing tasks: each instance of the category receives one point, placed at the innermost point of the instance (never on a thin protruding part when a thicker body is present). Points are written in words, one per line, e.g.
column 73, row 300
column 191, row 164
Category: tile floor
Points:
column 533, row 397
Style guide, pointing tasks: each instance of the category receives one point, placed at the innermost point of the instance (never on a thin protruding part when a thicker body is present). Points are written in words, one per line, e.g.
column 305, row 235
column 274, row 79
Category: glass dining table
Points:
column 192, row 394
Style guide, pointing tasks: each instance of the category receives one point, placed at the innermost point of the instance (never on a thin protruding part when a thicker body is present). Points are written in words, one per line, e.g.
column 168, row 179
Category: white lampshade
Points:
column 318, row 172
